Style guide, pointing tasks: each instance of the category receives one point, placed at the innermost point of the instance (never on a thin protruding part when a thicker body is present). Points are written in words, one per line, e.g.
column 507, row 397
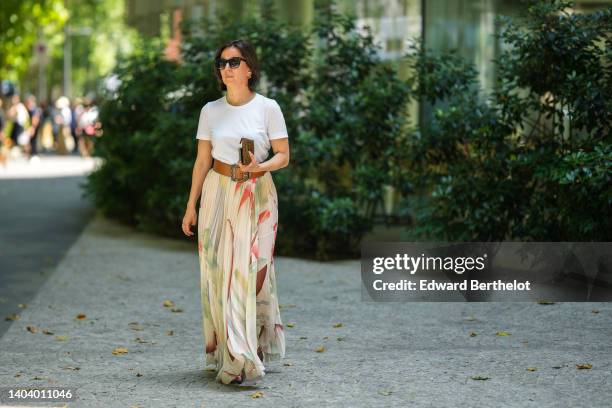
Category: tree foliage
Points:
column 20, row 21
column 533, row 162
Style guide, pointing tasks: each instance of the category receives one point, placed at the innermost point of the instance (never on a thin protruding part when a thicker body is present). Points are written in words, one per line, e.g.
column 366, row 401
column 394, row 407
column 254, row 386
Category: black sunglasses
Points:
column 234, row 62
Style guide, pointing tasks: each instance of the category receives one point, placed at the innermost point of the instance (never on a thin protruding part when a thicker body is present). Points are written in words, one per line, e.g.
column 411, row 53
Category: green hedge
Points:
column 532, row 161
column 335, row 98
column 507, row 166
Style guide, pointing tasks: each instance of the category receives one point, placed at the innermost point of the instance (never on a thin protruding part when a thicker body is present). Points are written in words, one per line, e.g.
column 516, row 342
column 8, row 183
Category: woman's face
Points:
column 234, row 77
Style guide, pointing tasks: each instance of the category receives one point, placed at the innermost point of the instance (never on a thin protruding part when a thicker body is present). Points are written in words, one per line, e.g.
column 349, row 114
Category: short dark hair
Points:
column 248, row 53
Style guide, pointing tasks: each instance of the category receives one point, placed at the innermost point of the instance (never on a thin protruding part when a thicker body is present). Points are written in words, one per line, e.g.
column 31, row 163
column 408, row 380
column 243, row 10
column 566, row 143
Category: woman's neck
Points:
column 239, row 96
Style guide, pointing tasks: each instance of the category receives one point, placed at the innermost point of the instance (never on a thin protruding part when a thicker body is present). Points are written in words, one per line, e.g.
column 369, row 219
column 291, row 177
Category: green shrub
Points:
column 531, row 163
column 120, row 188
column 335, row 99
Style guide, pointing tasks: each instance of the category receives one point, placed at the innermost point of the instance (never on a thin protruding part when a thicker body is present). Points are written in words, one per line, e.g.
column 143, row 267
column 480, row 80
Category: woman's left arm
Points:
column 280, row 159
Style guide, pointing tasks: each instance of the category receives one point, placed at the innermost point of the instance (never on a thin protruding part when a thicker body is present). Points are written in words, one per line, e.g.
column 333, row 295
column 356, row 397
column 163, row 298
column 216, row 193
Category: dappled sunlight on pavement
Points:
column 47, row 165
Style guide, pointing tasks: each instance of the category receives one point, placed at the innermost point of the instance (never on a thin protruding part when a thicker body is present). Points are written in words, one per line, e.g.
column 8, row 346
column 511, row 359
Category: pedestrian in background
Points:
column 2, row 122
column 88, row 127
column 18, row 115
column 35, row 113
column 3, row 154
column 63, row 120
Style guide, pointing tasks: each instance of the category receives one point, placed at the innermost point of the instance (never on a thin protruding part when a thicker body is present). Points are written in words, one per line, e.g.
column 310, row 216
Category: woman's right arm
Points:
column 201, row 167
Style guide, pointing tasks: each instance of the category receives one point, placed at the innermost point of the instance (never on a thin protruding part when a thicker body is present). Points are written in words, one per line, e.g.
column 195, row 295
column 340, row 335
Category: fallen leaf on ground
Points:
column 384, row 392
column 472, row 334
column 584, row 366
column 47, row 332
column 61, row 338
column 257, row 394
column 22, row 305
column 320, row 349
column 12, row 316
column 81, row 316
column 502, row 333
column 170, row 332
column 594, row 311
column 120, row 350
column 288, row 305
column 531, row 369
column 168, row 303
column 337, row 325
column 177, row 309
column 32, row 329
column 290, row 324
column 135, row 326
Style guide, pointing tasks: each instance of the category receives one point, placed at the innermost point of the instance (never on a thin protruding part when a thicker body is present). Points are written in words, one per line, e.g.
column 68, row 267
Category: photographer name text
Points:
column 433, row 285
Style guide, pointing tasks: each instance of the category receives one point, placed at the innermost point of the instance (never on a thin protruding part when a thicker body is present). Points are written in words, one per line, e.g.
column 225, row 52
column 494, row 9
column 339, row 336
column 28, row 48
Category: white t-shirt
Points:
column 260, row 119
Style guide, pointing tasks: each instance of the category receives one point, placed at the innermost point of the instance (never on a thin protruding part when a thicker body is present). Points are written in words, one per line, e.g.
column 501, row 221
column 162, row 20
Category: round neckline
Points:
column 243, row 105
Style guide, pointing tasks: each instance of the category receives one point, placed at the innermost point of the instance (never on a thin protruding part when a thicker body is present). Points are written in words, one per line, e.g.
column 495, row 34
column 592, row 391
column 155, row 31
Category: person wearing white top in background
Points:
column 237, row 220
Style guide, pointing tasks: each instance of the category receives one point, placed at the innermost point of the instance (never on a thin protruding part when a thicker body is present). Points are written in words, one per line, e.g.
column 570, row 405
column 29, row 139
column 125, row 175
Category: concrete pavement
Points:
column 42, row 213
column 382, row 354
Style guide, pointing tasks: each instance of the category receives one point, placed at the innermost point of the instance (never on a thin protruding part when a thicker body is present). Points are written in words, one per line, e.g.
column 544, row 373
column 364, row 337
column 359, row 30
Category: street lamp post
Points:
column 41, row 56
column 67, row 61
column 69, row 33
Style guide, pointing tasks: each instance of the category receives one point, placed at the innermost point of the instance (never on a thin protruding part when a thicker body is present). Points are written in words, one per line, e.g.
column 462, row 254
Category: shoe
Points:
column 248, row 383
column 238, row 380
column 244, row 382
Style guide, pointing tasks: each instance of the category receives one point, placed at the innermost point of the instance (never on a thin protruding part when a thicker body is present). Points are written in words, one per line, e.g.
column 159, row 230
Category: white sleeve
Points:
column 276, row 127
column 203, row 131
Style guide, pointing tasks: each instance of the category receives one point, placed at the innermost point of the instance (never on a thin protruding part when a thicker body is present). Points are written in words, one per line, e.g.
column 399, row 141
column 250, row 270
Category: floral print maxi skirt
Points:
column 237, row 225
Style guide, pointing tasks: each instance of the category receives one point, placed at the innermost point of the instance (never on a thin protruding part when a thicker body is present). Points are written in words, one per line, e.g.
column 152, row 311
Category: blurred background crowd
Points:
column 28, row 127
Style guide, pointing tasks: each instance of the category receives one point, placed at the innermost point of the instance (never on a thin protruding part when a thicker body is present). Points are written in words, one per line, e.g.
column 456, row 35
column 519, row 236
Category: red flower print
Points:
column 263, row 216
column 246, row 194
column 255, row 248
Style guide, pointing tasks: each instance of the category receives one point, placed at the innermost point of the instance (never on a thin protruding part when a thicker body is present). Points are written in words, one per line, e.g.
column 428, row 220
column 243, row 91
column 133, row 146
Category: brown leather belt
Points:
column 233, row 171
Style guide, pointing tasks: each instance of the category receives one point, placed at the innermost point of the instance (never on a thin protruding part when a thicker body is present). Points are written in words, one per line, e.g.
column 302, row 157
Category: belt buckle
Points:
column 245, row 175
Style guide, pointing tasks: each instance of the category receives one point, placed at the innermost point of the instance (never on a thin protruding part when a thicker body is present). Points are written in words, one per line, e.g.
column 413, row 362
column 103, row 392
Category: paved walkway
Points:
column 383, row 355
column 42, row 214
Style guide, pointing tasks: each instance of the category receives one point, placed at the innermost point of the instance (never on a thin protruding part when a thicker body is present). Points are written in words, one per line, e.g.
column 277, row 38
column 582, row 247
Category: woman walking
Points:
column 237, row 219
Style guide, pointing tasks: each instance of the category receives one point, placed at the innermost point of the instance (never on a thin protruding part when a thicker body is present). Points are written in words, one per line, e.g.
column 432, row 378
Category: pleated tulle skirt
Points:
column 237, row 225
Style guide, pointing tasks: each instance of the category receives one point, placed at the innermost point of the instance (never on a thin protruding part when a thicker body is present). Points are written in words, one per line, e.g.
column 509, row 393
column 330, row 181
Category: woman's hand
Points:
column 190, row 218
column 252, row 166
